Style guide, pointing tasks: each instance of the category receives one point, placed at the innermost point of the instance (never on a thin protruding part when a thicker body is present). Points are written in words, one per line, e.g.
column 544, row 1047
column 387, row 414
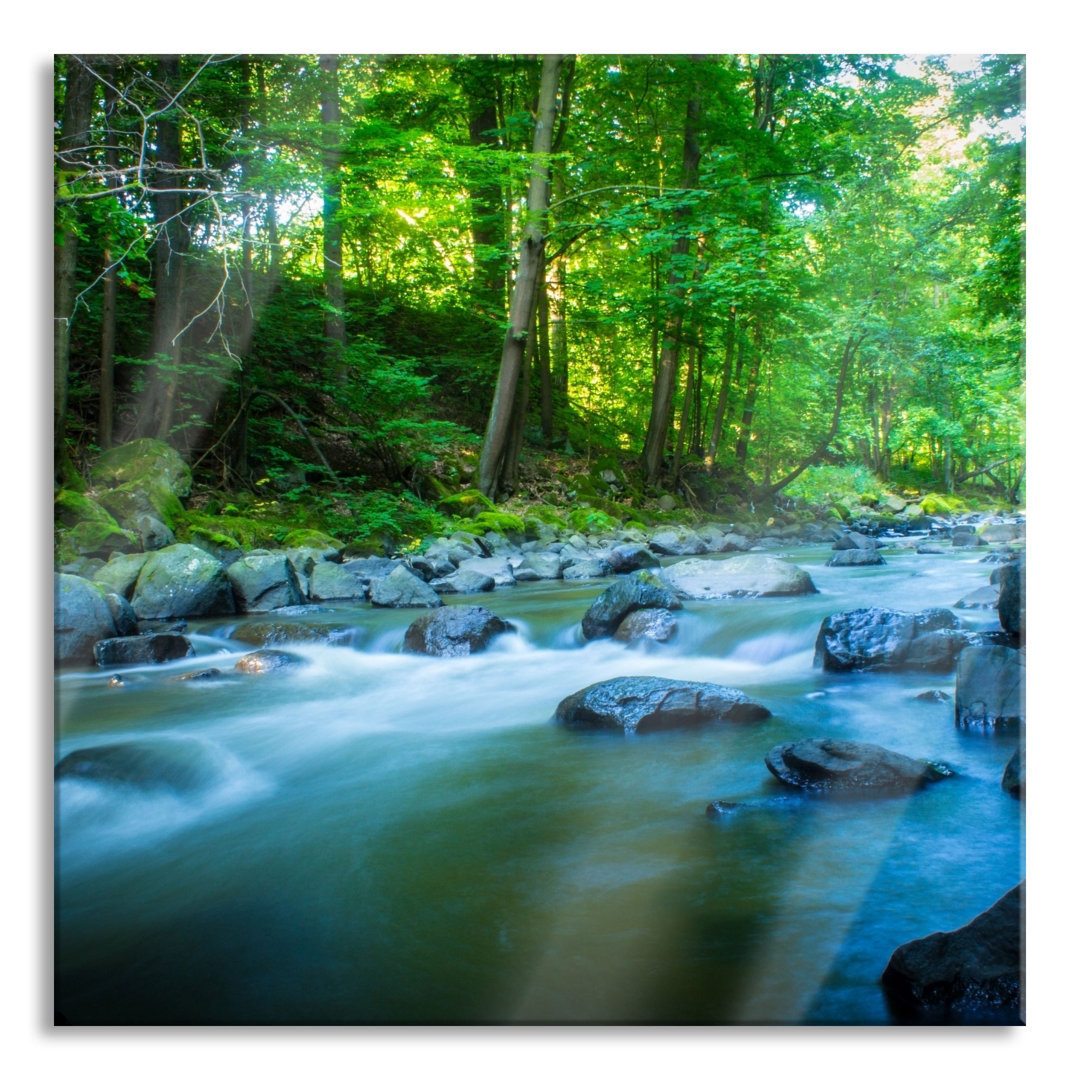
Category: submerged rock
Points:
column 883, row 638
column 985, row 597
column 990, row 686
column 843, row 765
column 175, row 764
column 856, row 556
column 454, row 631
column 142, row 649
column 263, row 661
column 741, row 575
column 974, row 975
column 631, row 593
column 642, row 704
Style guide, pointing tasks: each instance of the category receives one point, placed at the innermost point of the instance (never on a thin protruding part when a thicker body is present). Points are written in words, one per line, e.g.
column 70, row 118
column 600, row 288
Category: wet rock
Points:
column 1012, row 604
column 263, row 661
column 463, row 581
column 121, row 572
column 371, row 568
column 583, row 569
column 142, row 649
column 454, row 631
column 974, row 975
column 497, row 568
column 990, row 686
column 741, row 575
column 123, row 615
column 330, row 581
column 1002, row 534
column 202, row 675
column 540, row 566
column 843, row 765
column 261, row 582
column 647, row 624
column 854, row 541
column 272, row 632
column 178, row 765
column 677, row 540
column 637, row 590
column 932, row 695
column 1013, row 779
column 182, row 581
column 856, row 557
column 881, row 638
column 643, row 704
column 986, row 597
column 81, row 617
column 401, row 589
column 932, row 548
column 966, row 539
column 626, row 558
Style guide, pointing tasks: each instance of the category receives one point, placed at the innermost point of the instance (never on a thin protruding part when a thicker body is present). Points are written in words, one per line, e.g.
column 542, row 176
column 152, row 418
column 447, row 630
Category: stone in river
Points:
column 631, row 593
column 454, row 631
column 741, row 575
column 844, row 765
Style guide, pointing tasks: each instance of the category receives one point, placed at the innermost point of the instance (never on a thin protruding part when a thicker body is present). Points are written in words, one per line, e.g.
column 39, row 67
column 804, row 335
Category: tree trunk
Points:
column 687, row 405
column 74, row 134
column 725, row 389
column 543, row 356
column 743, row 443
column 521, row 305
column 664, row 384
column 106, row 390
column 508, row 480
column 333, row 280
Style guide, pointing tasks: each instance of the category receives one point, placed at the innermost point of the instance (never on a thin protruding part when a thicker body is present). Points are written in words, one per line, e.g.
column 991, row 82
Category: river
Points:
column 379, row 838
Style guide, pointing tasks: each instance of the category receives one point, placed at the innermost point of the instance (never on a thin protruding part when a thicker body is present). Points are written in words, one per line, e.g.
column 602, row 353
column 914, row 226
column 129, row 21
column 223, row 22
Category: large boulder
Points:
column 637, row 590
column 990, row 686
column 642, row 704
column 1002, row 533
column 81, row 617
column 854, row 541
column 843, row 765
column 881, row 638
column 331, row 581
column 463, row 581
column 584, row 569
column 626, row 558
column 261, row 582
column 496, row 568
column 540, row 566
column 142, row 649
column 121, row 572
column 1012, row 604
column 143, row 477
column 677, row 540
column 172, row 764
column 182, row 580
column 741, row 575
column 85, row 528
column 454, row 631
column 974, row 975
column 402, row 589
column 855, row 557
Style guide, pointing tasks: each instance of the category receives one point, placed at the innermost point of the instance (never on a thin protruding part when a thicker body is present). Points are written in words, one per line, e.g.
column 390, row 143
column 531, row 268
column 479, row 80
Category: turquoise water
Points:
column 378, row 838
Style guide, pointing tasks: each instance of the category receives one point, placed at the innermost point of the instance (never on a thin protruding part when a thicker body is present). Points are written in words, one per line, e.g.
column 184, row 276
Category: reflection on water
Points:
column 372, row 837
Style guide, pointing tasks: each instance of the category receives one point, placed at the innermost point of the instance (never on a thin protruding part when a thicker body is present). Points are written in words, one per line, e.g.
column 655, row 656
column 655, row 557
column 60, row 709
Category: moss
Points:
column 940, row 504
column 586, row 519
column 145, row 463
column 839, row 512
column 499, row 522
column 545, row 515
column 71, row 508
column 310, row 538
column 466, row 503
column 228, row 531
column 93, row 538
column 128, row 502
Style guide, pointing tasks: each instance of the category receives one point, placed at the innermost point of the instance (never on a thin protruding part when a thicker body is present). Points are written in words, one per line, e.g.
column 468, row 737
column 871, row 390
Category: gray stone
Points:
column 886, row 639
column 264, row 661
column 174, row 764
column 843, row 765
column 81, row 617
column 647, row 625
column 154, row 534
column 677, row 540
column 584, row 569
column 182, row 580
column 630, row 593
column 120, row 573
column 1013, row 780
column 974, row 975
column 1012, row 602
column 498, row 569
column 643, row 704
column 990, row 686
column 741, row 575
column 855, row 541
column 142, row 649
column 1002, row 534
column 454, row 631
column 626, row 558
column 263, row 582
column 985, row 597
column 540, row 566
column 855, row 557
column 400, row 589
column 463, row 581
column 329, row 581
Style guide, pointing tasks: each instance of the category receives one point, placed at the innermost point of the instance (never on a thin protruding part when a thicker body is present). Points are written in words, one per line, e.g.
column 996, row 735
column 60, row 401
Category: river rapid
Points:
column 380, row 838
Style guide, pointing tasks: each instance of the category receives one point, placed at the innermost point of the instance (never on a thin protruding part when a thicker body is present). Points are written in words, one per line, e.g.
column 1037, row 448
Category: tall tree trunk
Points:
column 508, row 480
column 664, row 384
column 333, row 280
column 555, row 302
column 74, row 135
column 687, row 405
column 530, row 260
column 106, row 390
column 725, row 389
column 743, row 442
column 543, row 356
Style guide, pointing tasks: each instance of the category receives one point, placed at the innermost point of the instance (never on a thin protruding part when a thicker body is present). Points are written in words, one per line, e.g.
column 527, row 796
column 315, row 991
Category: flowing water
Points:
column 379, row 838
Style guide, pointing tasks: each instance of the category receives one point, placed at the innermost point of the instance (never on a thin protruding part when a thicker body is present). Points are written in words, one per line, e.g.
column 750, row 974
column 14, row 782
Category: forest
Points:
column 361, row 293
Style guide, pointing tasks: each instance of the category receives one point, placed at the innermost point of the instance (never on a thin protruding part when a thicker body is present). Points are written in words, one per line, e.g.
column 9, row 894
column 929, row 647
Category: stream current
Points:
column 380, row 838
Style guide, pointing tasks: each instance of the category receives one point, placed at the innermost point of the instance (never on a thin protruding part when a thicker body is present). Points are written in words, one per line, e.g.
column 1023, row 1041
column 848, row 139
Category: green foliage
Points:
column 819, row 483
column 585, row 519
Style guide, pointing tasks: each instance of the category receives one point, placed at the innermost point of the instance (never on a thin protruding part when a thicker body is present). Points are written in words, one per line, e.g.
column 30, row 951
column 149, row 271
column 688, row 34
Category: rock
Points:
column 637, row 590
column 882, row 638
column 173, row 764
column 263, row 661
column 370, row 569
column 1002, row 534
column 120, row 573
column 262, row 582
column 932, row 548
column 540, row 566
column 182, row 580
column 454, row 631
column 894, row 503
column 142, row 478
column 741, row 575
column 81, row 617
column 123, row 615
column 197, row 676
column 971, row 975
column 324, row 548
column 986, row 597
column 331, row 581
column 677, row 540
column 666, row 502
column 142, row 649
column 990, row 686
column 734, row 541
column 498, row 569
column 583, row 569
column 647, row 624
column 643, row 704
column 932, row 695
column 843, row 765
column 626, row 558
column 1012, row 603
column 854, row 541
column 856, row 557
column 400, row 589
column 966, row 539
column 154, row 534
column 1013, row 779
column 268, row 633
column 464, row 581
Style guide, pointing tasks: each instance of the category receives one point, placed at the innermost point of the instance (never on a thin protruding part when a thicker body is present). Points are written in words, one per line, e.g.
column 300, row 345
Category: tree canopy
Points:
column 329, row 276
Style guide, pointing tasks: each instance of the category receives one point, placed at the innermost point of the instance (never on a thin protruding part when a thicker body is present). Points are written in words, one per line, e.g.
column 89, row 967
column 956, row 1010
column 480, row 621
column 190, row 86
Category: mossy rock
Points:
column 70, row 508
column 586, row 519
column 940, row 505
column 129, row 502
column 545, row 515
column 313, row 538
column 148, row 462
column 499, row 522
column 227, row 531
column 467, row 503
column 93, row 538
